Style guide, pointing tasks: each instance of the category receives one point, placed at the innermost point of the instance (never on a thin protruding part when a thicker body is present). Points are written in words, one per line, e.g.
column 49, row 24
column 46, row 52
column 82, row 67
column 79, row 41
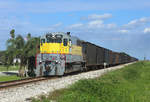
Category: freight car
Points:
column 62, row 53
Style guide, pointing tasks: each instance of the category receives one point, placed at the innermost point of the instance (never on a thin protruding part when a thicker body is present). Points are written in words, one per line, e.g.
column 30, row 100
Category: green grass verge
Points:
column 11, row 68
column 9, row 78
column 130, row 84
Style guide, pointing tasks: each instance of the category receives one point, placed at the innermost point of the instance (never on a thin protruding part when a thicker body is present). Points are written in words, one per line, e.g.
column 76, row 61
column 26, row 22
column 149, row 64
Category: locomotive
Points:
column 61, row 53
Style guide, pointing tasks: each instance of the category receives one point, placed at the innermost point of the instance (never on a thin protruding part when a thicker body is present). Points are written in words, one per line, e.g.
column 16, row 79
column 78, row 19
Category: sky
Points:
column 119, row 25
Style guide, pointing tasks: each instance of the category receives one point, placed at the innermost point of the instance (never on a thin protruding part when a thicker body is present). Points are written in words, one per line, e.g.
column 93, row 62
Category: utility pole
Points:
column 144, row 57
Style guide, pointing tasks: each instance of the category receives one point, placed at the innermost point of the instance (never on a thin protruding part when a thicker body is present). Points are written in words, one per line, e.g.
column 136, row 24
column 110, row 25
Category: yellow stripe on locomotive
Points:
column 76, row 50
column 58, row 48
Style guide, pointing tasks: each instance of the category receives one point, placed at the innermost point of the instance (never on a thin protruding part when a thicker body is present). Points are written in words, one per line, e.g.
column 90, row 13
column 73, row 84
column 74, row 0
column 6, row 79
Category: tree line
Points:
column 20, row 48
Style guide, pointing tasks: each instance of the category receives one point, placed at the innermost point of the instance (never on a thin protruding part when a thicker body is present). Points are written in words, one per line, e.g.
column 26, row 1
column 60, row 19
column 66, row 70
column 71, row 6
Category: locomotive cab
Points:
column 52, row 57
column 55, row 43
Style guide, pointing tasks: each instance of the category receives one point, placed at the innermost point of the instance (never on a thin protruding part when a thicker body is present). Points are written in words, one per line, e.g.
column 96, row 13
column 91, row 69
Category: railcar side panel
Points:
column 107, row 56
column 93, row 55
column 89, row 54
column 100, row 56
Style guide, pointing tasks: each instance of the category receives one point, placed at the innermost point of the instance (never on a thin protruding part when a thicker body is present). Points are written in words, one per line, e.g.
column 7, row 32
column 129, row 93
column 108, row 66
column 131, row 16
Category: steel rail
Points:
column 14, row 83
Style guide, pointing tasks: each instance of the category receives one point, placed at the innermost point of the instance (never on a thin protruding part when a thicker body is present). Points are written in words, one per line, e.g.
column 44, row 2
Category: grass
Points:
column 130, row 84
column 9, row 78
column 11, row 68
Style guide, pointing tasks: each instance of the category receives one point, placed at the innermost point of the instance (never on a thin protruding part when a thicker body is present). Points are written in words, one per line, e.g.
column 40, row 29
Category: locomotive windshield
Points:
column 54, row 39
column 42, row 40
column 65, row 42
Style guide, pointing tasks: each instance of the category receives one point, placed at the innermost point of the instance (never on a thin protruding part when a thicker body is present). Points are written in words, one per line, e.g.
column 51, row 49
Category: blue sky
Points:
column 120, row 25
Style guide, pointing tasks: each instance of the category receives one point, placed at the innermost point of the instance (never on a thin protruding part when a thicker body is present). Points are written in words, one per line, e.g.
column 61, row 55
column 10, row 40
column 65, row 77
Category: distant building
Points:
column 16, row 61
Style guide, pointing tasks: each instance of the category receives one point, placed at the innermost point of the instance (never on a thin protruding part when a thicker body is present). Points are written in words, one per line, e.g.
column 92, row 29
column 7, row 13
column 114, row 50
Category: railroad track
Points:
column 14, row 83
column 8, row 84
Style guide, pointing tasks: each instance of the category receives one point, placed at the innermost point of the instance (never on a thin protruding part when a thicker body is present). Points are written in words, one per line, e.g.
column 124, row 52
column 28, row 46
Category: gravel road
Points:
column 24, row 92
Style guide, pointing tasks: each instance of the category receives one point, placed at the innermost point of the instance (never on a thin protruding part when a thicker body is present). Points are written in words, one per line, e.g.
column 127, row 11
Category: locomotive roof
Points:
column 53, row 33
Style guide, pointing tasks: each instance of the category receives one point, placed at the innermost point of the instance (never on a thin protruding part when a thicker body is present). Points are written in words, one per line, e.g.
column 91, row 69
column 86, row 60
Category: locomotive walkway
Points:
column 23, row 93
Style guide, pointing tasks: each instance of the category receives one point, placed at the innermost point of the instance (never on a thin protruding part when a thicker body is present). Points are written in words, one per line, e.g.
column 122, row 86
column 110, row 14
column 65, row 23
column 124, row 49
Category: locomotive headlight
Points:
column 57, row 62
column 40, row 62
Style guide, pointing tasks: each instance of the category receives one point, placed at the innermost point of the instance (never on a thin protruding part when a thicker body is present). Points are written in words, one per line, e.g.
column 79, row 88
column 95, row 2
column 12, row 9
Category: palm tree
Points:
column 19, row 48
column 11, row 47
column 28, row 36
column 31, row 47
column 12, row 33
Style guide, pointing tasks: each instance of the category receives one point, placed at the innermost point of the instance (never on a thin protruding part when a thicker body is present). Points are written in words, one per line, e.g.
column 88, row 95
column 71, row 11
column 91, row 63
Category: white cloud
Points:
column 50, row 28
column 147, row 30
column 110, row 26
column 144, row 19
column 123, row 31
column 133, row 22
column 138, row 22
column 96, row 24
column 78, row 25
column 98, row 17
column 57, row 25
column 90, row 25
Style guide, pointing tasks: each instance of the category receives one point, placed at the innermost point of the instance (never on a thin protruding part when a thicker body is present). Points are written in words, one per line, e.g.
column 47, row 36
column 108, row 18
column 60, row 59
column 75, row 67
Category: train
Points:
column 61, row 53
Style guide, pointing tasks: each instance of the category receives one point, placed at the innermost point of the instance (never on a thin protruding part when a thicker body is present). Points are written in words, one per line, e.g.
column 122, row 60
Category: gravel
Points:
column 24, row 92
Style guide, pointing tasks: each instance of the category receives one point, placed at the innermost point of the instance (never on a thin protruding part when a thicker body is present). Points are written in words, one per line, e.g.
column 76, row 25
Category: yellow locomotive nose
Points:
column 50, row 48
